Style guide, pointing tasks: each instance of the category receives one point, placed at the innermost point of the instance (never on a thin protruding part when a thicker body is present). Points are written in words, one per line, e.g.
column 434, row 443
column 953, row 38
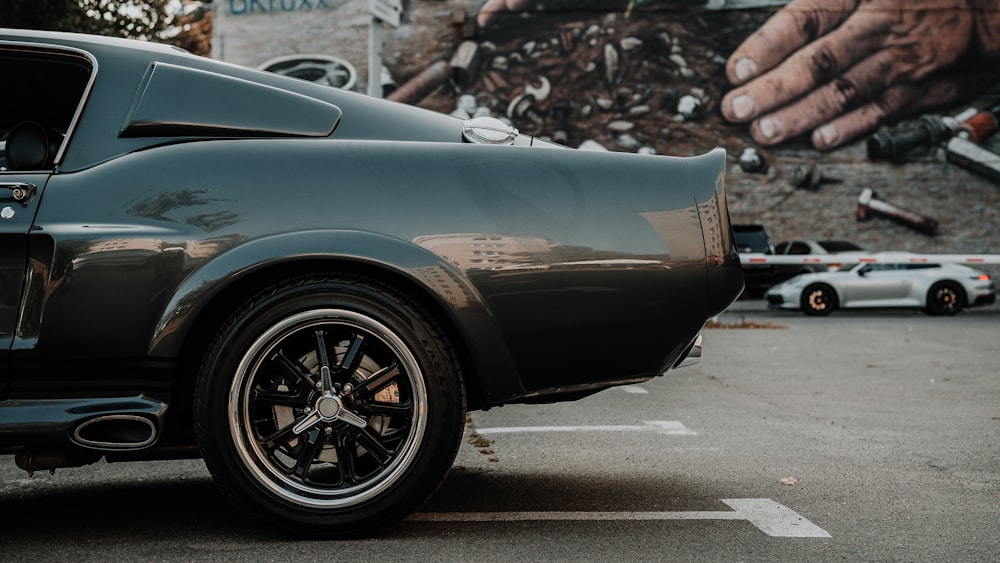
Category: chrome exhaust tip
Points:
column 116, row 432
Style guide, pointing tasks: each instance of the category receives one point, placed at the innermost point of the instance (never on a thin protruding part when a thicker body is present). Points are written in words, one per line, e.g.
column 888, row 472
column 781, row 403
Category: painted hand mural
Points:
column 841, row 68
column 835, row 69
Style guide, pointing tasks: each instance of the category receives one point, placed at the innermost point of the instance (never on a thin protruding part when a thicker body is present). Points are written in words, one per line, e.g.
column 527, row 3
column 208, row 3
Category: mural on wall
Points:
column 818, row 102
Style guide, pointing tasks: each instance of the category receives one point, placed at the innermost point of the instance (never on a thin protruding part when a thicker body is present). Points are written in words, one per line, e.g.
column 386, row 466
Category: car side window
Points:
column 877, row 268
column 43, row 92
column 799, row 248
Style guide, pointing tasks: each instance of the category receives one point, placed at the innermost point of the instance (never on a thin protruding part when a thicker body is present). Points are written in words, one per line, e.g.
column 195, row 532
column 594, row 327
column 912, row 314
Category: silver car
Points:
column 940, row 289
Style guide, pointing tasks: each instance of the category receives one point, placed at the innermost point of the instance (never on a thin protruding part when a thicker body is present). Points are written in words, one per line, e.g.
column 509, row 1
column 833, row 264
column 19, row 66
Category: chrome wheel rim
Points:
column 327, row 408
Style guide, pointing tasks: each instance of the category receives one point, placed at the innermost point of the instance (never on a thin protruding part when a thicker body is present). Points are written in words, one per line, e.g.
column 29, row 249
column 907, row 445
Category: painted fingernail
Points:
column 743, row 107
column 744, row 69
column 769, row 127
column 827, row 136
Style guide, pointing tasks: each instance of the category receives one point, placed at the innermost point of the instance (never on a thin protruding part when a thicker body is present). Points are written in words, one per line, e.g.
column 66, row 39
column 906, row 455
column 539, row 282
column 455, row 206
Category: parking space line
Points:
column 672, row 427
column 770, row 517
column 568, row 516
column 633, row 389
column 775, row 519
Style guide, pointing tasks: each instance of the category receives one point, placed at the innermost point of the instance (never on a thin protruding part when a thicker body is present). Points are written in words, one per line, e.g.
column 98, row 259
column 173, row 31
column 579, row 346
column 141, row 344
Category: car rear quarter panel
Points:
column 589, row 266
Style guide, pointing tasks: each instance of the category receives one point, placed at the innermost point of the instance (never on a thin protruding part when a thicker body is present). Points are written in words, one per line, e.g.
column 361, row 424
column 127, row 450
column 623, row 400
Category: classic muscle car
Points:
column 309, row 287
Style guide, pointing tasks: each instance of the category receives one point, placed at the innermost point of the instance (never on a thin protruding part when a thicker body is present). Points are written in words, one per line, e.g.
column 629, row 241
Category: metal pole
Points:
column 375, row 58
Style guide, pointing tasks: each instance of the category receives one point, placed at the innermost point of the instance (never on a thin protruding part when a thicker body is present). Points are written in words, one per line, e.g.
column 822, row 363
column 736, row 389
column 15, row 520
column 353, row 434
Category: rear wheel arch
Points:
column 213, row 315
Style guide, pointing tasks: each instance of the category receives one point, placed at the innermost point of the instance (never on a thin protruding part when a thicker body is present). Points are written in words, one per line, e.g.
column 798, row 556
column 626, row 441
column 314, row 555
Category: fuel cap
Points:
column 485, row 130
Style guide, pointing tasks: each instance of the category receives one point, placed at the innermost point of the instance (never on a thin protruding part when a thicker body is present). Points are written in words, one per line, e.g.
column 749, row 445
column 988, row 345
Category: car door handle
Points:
column 21, row 191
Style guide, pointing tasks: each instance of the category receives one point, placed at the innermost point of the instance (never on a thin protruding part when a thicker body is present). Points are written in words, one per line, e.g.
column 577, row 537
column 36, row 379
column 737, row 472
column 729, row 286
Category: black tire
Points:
column 818, row 300
column 337, row 456
column 945, row 298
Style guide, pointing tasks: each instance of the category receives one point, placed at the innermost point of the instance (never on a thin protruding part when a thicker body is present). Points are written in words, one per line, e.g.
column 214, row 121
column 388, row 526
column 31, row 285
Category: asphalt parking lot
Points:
column 868, row 436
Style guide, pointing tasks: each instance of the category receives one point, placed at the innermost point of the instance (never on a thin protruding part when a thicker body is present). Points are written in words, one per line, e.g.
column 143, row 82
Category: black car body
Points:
column 309, row 287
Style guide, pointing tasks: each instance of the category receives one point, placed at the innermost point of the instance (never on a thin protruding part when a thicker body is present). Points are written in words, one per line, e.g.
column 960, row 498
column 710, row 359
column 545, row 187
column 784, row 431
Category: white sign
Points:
column 386, row 10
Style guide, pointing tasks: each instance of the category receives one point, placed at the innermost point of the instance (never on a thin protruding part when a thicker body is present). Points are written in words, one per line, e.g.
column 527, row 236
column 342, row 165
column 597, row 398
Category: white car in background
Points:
column 940, row 289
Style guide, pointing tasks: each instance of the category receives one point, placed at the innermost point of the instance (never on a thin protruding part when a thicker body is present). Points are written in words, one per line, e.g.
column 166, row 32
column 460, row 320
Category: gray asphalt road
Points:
column 885, row 425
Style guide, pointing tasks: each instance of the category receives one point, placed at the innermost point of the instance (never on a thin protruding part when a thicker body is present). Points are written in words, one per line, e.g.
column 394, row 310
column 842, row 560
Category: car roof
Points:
column 83, row 40
column 124, row 110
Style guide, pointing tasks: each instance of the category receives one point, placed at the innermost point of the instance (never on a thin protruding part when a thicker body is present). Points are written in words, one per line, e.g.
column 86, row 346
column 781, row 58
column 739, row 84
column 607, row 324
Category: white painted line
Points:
column 671, row 427
column 567, row 516
column 775, row 519
column 633, row 389
column 772, row 518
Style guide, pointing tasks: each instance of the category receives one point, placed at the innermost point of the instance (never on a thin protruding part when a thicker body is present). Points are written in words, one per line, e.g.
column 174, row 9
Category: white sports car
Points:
column 940, row 289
